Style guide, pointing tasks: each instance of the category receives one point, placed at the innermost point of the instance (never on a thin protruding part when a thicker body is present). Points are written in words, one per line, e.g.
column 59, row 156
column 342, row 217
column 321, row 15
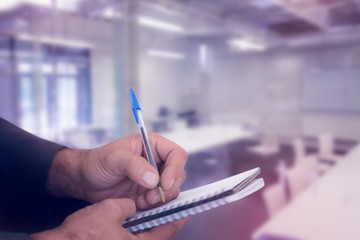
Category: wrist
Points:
column 64, row 174
column 46, row 235
column 56, row 234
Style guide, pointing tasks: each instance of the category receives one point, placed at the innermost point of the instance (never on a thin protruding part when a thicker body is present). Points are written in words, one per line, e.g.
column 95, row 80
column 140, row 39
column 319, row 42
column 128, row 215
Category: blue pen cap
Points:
column 134, row 105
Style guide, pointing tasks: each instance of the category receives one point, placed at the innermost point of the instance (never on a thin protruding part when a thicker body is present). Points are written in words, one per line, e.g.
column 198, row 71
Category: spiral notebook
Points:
column 197, row 200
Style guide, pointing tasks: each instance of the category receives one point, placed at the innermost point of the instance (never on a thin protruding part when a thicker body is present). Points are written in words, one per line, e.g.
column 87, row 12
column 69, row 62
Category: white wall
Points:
column 162, row 81
column 103, row 86
column 269, row 86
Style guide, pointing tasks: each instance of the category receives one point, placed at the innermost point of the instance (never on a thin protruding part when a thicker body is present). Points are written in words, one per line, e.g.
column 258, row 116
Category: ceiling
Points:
column 274, row 22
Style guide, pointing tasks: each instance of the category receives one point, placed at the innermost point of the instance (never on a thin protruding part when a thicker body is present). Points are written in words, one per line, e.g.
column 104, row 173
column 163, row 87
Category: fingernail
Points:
column 142, row 204
column 169, row 184
column 150, row 179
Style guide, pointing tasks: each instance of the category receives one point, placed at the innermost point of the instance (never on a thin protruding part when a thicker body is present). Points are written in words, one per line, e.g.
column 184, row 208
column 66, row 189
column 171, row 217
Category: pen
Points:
column 145, row 139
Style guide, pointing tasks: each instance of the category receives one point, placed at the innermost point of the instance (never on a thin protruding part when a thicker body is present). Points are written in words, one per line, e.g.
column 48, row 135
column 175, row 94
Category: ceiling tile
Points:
column 345, row 14
column 294, row 27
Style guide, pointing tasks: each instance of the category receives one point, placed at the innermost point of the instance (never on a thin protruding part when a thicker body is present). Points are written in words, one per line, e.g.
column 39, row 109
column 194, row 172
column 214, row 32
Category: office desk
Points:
column 194, row 140
column 329, row 209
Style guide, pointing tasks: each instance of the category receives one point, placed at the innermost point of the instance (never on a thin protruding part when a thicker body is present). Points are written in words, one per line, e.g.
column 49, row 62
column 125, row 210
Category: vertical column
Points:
column 13, row 94
column 126, row 66
column 39, row 83
column 205, row 83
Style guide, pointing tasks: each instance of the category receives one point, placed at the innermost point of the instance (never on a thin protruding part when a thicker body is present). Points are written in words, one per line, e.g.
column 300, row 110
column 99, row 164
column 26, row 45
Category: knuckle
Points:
column 182, row 153
column 118, row 205
column 173, row 193
column 127, row 205
column 183, row 176
column 152, row 134
column 109, row 204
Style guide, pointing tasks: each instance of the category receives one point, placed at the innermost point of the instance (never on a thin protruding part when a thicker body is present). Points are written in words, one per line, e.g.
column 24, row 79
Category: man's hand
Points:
column 119, row 170
column 104, row 220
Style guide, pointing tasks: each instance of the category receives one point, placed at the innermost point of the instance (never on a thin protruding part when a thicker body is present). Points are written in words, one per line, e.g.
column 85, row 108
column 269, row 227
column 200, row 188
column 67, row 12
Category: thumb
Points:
column 119, row 209
column 127, row 207
column 137, row 168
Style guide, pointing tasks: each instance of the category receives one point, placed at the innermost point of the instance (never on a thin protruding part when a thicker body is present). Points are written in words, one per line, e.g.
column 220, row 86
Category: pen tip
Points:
column 162, row 195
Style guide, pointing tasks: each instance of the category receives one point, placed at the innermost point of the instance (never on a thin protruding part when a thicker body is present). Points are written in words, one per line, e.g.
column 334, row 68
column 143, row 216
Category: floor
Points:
column 237, row 220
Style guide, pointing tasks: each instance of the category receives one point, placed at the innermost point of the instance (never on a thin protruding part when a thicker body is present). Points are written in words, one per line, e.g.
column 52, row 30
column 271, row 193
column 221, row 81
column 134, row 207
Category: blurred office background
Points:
column 239, row 84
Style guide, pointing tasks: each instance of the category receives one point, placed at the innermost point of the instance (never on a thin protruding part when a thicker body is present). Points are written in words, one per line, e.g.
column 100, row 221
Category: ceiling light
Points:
column 8, row 4
column 55, row 41
column 46, row 3
column 246, row 45
column 265, row 3
column 166, row 54
column 203, row 55
column 111, row 13
column 153, row 23
column 60, row 4
column 68, row 5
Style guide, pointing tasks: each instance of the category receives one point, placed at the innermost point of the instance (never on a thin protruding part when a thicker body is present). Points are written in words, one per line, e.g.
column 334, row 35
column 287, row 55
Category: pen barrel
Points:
column 146, row 142
column 148, row 152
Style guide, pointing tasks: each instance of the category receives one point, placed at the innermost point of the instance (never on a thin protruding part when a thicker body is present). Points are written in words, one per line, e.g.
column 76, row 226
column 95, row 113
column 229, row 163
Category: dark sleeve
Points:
column 25, row 204
column 14, row 236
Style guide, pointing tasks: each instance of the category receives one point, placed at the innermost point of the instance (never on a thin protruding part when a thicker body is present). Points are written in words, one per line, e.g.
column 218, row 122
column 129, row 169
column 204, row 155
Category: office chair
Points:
column 326, row 156
column 308, row 161
column 299, row 178
column 269, row 145
column 274, row 197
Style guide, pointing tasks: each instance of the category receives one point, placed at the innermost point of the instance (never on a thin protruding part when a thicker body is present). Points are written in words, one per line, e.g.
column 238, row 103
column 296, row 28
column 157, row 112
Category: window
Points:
column 54, row 87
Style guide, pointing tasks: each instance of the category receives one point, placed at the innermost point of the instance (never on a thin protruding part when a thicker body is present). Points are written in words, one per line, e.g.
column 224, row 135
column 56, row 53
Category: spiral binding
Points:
column 161, row 216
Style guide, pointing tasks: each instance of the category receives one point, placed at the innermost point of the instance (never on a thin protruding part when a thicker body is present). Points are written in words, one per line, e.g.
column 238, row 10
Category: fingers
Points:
column 152, row 198
column 139, row 170
column 172, row 177
column 175, row 159
column 168, row 151
column 167, row 231
column 123, row 159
